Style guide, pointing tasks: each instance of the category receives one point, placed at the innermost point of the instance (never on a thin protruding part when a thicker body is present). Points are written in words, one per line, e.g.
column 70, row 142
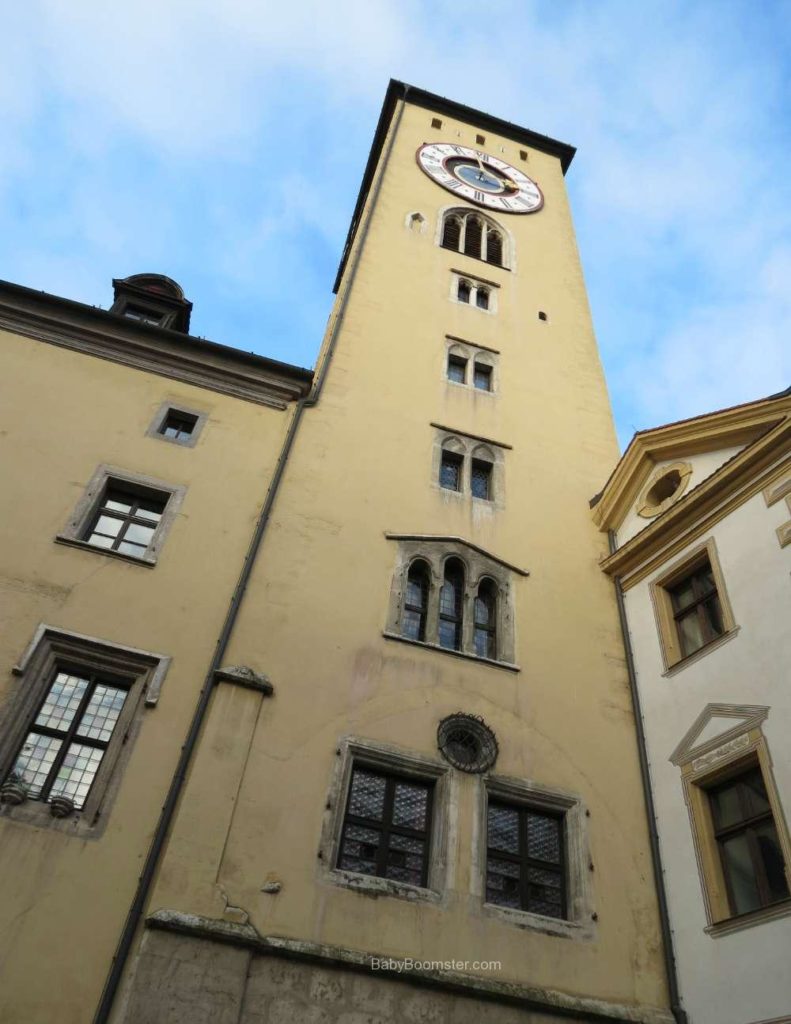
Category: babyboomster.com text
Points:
column 408, row 964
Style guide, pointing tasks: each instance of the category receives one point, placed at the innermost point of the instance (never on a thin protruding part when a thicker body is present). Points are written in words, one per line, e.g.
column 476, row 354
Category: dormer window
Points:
column 152, row 299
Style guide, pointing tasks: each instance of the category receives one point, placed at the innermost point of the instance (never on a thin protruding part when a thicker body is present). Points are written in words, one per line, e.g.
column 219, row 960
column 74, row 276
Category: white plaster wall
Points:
column 742, row 977
column 703, row 465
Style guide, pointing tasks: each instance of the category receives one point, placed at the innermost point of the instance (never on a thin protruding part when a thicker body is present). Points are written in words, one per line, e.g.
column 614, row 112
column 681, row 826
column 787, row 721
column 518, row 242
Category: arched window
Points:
column 413, row 623
column 450, row 605
column 464, row 291
column 482, row 298
column 486, row 620
column 474, row 235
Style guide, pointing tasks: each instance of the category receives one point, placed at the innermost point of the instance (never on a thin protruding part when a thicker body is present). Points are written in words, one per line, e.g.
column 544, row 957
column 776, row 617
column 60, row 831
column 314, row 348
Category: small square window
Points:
column 450, row 471
column 525, row 859
column 481, row 479
column 178, row 426
column 480, row 139
column 124, row 514
column 483, row 377
column 387, row 826
column 457, row 369
column 436, row 122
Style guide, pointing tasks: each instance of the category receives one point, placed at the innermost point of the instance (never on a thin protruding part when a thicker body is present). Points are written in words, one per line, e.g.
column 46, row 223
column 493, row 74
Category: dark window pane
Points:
column 754, row 793
column 178, row 425
column 502, row 883
column 412, row 625
column 409, row 805
column 480, row 480
column 740, row 871
column 544, row 895
column 359, row 849
column 449, row 635
column 771, row 856
column 457, row 369
column 483, row 377
column 464, row 291
column 472, row 237
column 485, row 644
column 726, row 806
column 503, row 826
column 713, row 617
column 405, row 858
column 451, row 233
column 543, row 837
column 367, row 796
column 450, row 471
column 494, row 247
column 482, row 298
column 690, row 632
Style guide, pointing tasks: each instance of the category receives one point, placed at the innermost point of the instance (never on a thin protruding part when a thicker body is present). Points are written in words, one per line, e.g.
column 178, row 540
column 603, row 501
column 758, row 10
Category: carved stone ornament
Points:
column 467, row 742
column 61, row 807
column 13, row 792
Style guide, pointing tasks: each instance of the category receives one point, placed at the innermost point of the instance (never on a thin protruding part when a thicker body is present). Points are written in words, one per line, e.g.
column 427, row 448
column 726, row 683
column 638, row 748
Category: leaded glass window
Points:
column 525, row 857
column 746, row 835
column 485, row 616
column 66, row 743
column 696, row 609
column 413, row 623
column 450, row 471
column 125, row 522
column 451, row 600
column 481, row 479
column 387, row 826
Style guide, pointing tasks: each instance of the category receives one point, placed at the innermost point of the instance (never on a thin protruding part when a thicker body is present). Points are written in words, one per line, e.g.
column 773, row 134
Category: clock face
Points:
column 480, row 178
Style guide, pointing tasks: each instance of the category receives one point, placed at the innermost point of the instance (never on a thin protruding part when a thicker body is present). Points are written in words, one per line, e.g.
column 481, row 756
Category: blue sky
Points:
column 223, row 145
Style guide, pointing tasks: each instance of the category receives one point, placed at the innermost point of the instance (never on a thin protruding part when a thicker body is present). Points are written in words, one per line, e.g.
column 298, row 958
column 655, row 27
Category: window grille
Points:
column 525, row 860
column 485, row 615
column 416, row 602
column 473, row 238
column 125, row 522
column 450, row 471
column 450, row 606
column 494, row 247
column 481, row 479
column 387, row 826
column 451, row 233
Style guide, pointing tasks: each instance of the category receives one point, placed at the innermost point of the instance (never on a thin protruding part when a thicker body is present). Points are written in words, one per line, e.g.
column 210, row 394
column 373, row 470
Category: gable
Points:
column 716, row 725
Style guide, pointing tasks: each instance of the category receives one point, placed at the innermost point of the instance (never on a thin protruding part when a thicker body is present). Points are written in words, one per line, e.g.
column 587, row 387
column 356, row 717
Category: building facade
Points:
column 370, row 600
column 700, row 519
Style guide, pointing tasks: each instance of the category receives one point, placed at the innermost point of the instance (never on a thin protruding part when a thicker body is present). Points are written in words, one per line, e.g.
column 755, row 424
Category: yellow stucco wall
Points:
column 318, row 599
column 63, row 899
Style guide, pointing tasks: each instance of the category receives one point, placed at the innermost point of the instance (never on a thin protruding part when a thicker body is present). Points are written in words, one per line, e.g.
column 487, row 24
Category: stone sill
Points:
column 370, row 885
column 555, row 926
column 71, row 542
column 690, row 659
column 456, row 654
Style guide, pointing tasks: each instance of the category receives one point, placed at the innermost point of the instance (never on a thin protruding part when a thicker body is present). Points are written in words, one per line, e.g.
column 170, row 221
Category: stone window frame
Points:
column 648, row 509
column 469, row 447
column 354, row 750
column 581, row 921
column 672, row 653
column 509, row 239
column 50, row 649
column 704, row 765
column 488, row 224
column 474, row 283
column 106, row 476
column 478, row 565
column 155, row 427
column 473, row 354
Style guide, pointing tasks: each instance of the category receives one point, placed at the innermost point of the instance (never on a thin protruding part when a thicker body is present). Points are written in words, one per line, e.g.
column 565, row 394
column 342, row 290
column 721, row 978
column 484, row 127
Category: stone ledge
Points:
column 527, row 997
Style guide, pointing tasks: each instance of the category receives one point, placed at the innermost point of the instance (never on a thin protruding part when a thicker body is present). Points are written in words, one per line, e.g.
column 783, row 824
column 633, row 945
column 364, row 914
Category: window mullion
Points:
column 67, row 737
column 387, row 820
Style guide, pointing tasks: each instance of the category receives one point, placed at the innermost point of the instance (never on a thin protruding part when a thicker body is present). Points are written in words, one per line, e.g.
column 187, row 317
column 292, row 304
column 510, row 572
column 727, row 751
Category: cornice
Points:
column 452, row 539
column 96, row 332
column 745, row 475
column 741, row 424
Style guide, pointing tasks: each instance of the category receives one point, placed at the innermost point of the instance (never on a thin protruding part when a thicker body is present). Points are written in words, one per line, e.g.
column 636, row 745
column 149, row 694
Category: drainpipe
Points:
column 153, row 857
column 645, row 774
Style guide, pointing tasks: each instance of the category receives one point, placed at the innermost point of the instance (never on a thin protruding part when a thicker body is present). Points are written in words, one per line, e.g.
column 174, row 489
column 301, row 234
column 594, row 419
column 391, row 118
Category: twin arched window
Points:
column 443, row 624
column 474, row 235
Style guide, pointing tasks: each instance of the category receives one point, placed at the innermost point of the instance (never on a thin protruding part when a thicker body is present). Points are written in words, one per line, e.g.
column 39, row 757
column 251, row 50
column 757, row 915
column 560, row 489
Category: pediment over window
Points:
column 715, row 726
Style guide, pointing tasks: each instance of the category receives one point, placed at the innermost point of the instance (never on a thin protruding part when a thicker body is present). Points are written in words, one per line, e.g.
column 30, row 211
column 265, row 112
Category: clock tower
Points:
column 416, row 796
